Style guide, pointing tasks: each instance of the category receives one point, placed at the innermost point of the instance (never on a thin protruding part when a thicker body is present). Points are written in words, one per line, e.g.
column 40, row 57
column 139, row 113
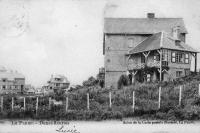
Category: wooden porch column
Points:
column 146, row 56
column 195, row 65
column 160, row 65
column 133, row 78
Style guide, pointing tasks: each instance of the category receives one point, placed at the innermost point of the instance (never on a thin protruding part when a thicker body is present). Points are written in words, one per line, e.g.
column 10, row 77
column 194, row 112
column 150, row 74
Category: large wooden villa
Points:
column 146, row 49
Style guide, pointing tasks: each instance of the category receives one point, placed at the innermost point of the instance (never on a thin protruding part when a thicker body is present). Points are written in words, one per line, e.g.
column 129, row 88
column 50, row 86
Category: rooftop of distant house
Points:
column 58, row 78
column 10, row 74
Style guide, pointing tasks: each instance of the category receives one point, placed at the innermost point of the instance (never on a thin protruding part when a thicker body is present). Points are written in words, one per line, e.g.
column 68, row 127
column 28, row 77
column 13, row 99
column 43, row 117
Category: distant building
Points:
column 11, row 82
column 39, row 91
column 56, row 83
column 46, row 89
column 29, row 89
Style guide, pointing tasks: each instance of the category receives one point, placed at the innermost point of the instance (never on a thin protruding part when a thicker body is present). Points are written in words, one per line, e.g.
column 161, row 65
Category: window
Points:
column 131, row 43
column 57, row 79
column 4, row 80
column 173, row 57
column 4, row 87
column 12, row 87
column 148, row 77
column 175, row 32
column 178, row 57
column 187, row 72
column 156, row 57
column 57, row 84
column 178, row 74
column 187, row 58
column 165, row 55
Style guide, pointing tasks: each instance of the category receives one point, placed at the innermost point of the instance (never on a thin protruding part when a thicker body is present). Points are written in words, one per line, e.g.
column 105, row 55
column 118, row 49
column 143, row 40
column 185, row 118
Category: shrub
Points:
column 90, row 82
column 161, row 115
column 146, row 103
column 123, row 81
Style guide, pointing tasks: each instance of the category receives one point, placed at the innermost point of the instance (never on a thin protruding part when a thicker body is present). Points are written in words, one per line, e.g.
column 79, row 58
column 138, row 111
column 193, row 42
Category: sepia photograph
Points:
column 103, row 66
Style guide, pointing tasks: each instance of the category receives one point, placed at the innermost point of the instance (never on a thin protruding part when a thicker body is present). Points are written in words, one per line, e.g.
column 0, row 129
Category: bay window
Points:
column 179, row 57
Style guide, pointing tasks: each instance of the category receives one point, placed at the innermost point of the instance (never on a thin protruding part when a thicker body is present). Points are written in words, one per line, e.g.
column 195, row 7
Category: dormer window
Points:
column 175, row 32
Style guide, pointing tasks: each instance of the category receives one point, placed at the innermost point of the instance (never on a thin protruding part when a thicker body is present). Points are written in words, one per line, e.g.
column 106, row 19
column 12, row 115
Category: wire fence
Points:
column 141, row 99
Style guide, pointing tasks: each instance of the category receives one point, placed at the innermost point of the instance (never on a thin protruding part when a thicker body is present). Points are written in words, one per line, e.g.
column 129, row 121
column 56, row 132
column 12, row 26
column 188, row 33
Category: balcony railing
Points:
column 153, row 64
column 156, row 64
column 136, row 66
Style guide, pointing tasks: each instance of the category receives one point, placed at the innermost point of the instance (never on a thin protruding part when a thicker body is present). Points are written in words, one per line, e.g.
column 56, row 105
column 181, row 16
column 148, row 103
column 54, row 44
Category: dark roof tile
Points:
column 161, row 40
column 142, row 25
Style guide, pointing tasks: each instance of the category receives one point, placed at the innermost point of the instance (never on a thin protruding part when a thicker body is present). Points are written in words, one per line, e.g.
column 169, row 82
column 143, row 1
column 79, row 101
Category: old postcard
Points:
column 85, row 66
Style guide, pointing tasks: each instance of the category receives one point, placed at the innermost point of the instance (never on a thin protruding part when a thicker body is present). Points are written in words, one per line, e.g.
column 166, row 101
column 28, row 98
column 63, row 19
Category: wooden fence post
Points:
column 199, row 89
column 133, row 101
column 180, row 95
column 49, row 102
column 159, row 97
column 24, row 103
column 110, row 99
column 12, row 104
column 36, row 108
column 2, row 104
column 88, row 101
column 66, row 103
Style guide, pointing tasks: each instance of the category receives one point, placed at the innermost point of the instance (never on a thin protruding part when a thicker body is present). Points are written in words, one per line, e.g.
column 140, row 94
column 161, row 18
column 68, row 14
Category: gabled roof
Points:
column 142, row 25
column 11, row 75
column 161, row 40
column 62, row 78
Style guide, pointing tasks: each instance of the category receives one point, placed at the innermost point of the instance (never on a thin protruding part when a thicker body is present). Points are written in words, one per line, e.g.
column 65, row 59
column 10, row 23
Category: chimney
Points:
column 150, row 15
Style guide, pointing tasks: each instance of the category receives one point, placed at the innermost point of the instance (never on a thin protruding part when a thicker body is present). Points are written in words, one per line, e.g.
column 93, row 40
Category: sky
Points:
column 43, row 37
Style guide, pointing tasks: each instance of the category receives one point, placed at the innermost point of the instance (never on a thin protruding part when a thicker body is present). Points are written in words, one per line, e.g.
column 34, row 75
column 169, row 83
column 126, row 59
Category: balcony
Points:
column 136, row 66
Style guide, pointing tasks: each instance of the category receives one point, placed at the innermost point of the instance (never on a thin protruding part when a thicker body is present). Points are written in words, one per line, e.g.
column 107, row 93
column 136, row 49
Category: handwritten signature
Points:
column 63, row 129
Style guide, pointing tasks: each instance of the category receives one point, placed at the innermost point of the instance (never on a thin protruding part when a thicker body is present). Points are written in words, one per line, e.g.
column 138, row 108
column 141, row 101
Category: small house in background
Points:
column 39, row 91
column 11, row 81
column 29, row 89
column 46, row 90
column 146, row 49
column 55, row 84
